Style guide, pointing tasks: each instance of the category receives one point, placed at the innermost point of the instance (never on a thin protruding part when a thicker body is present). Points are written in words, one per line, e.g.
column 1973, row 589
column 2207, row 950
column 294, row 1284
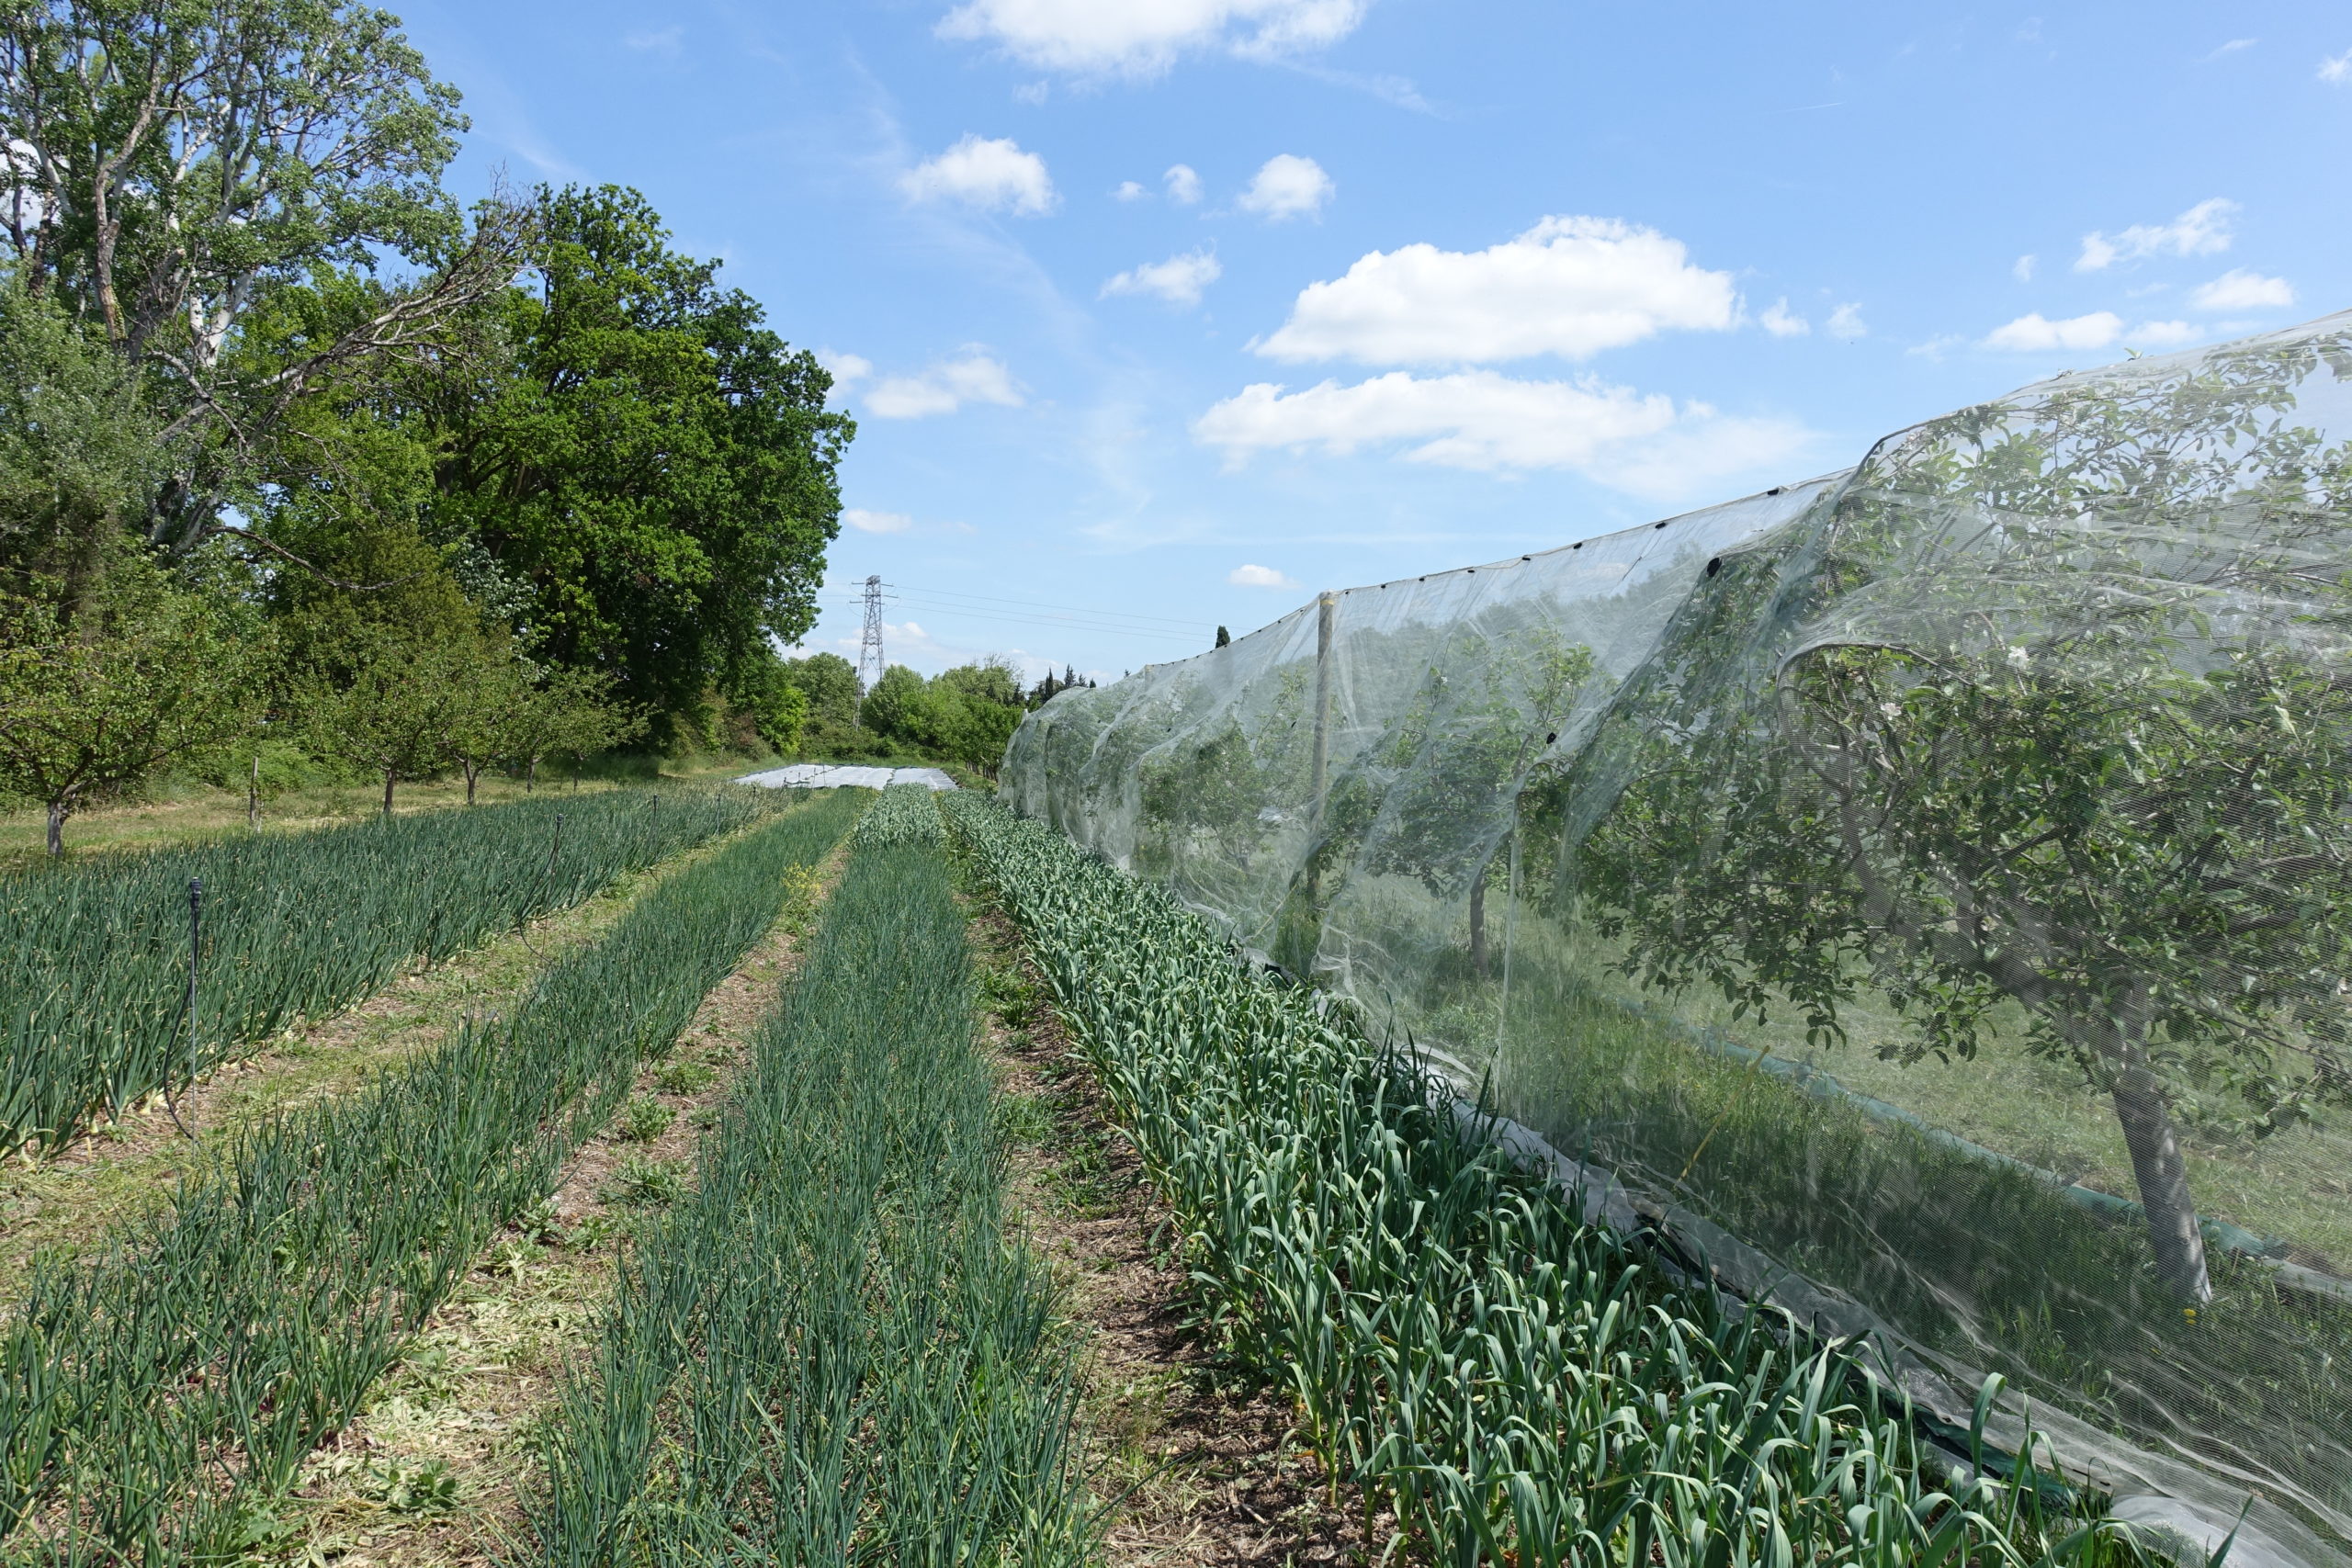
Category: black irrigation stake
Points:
column 187, row 1005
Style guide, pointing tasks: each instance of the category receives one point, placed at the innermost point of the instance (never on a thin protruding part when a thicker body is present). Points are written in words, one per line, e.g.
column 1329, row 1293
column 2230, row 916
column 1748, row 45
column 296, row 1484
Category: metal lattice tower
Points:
column 869, row 648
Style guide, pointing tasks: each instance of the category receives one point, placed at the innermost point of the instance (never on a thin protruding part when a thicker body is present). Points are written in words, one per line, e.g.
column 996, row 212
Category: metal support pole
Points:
column 1326, row 625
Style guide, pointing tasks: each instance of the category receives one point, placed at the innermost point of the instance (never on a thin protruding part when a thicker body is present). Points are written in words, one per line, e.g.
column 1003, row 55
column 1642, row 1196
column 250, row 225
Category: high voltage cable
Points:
column 1120, row 617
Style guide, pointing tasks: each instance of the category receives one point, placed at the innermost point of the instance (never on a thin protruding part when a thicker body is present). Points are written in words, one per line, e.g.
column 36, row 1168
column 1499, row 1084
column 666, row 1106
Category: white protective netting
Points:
column 1936, row 876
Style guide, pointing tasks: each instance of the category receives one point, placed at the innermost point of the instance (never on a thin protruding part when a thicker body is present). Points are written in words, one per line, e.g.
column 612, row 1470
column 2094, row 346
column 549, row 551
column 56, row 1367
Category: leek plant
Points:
column 904, row 815
column 1519, row 1387
column 831, row 1352
column 156, row 1396
column 94, row 955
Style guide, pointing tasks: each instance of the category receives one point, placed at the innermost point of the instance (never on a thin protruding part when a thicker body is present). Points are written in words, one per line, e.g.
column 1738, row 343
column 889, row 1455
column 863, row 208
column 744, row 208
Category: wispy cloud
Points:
column 2202, row 231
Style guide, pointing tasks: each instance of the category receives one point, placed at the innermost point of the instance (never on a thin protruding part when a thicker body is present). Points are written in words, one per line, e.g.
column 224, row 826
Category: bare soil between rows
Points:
column 1198, row 1461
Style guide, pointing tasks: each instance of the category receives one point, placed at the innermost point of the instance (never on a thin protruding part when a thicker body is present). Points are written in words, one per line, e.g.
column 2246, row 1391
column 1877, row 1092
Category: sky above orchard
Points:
column 1162, row 314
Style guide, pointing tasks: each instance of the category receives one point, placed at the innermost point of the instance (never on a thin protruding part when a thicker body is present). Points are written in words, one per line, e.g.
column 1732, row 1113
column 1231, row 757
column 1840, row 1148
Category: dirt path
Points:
column 1199, row 1460
column 433, row 1471
column 67, row 1203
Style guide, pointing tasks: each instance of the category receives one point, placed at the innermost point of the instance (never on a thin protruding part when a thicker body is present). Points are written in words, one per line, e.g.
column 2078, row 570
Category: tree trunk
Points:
column 252, row 794
column 531, row 776
column 389, row 777
column 58, row 811
column 1479, row 925
column 2163, row 1175
column 2157, row 1163
column 473, row 772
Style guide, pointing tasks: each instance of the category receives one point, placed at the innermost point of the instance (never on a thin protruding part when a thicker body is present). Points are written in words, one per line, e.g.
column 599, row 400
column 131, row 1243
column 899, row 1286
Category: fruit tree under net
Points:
column 1925, row 889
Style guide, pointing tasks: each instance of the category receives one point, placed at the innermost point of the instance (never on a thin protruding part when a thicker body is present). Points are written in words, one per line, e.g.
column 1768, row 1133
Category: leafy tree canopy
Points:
column 654, row 464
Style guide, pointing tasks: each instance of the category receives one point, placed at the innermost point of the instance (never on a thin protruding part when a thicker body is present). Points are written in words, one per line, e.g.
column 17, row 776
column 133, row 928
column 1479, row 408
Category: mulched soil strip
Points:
column 1199, row 1458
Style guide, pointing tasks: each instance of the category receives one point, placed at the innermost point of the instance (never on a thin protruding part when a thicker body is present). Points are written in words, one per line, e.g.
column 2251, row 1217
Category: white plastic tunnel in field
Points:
column 1924, row 889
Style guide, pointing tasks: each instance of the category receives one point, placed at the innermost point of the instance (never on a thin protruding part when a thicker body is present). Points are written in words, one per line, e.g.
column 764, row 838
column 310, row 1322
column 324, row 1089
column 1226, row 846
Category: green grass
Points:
column 831, row 1352
column 157, row 1398
column 95, row 953
column 1523, row 1389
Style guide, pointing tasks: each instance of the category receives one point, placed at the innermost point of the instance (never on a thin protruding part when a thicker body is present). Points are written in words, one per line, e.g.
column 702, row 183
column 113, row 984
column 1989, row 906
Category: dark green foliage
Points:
column 94, row 954
column 831, row 1352
column 654, row 464
column 154, row 1398
column 1521, row 1387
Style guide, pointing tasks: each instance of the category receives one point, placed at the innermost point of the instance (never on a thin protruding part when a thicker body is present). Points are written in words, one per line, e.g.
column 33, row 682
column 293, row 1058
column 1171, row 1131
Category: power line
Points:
column 1057, row 623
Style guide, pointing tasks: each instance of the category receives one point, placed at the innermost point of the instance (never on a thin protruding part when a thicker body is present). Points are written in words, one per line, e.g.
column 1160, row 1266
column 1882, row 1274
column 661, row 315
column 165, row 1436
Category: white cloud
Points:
column 866, row 521
column 2099, row 329
column 1287, row 186
column 1184, row 185
column 2336, row 69
column 943, row 388
column 1179, row 279
column 846, row 369
column 2231, row 46
column 1570, row 285
column 1482, row 420
column 1143, row 37
column 1246, row 576
column 2022, row 269
column 2239, row 289
column 1780, row 322
column 983, row 174
column 1846, row 323
column 2202, row 231
column 2034, row 333
column 667, row 41
column 1128, row 191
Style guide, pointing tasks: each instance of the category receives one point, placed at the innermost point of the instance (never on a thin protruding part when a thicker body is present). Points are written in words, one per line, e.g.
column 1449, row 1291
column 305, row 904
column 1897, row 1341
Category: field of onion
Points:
column 1517, row 1386
column 158, row 1395
column 101, row 959
column 831, row 1353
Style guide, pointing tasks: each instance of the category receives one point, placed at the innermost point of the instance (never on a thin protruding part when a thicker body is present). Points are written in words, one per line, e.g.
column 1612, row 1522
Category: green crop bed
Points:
column 156, row 1397
column 1519, row 1387
column 831, row 1352
column 94, row 955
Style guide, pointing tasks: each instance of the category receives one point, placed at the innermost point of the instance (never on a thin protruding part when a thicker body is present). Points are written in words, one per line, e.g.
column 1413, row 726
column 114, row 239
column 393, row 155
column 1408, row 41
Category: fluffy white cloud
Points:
column 2336, row 69
column 991, row 174
column 1482, row 420
column 1780, row 322
column 1246, row 576
column 2022, row 269
column 2239, row 289
column 2034, row 333
column 866, row 521
column 1570, row 285
column 1184, row 185
column 1128, row 191
column 943, row 388
column 1179, row 279
column 2099, row 329
column 1143, row 38
column 2202, row 231
column 846, row 369
column 1287, row 186
column 1846, row 323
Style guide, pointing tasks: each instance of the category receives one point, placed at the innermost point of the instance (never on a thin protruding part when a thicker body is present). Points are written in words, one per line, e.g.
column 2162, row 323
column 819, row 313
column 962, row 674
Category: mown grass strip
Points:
column 1519, row 1387
column 153, row 1398
column 831, row 1353
column 94, row 955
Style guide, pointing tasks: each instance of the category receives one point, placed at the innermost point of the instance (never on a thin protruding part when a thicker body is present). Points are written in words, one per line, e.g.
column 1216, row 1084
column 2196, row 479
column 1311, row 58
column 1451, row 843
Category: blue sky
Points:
column 1159, row 314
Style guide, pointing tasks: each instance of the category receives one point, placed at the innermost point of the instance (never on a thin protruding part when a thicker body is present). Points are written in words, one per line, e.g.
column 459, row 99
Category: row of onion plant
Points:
column 104, row 1006
column 1517, row 1386
column 831, row 1353
column 158, row 1395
